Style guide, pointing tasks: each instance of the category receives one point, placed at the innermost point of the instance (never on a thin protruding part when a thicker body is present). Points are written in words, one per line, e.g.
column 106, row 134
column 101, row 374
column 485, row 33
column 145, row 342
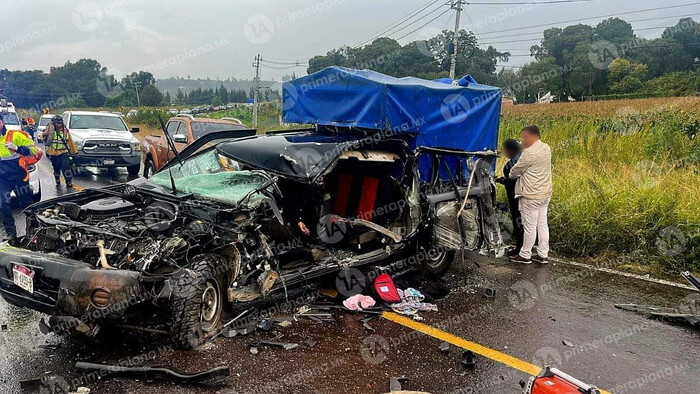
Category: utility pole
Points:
column 137, row 85
column 455, row 5
column 256, row 91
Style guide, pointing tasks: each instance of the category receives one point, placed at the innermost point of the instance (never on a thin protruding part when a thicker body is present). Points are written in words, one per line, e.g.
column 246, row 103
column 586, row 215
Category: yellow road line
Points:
column 492, row 354
column 489, row 353
column 46, row 170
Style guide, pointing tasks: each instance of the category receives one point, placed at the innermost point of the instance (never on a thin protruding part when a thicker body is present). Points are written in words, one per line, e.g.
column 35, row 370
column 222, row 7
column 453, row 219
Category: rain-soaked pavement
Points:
column 558, row 314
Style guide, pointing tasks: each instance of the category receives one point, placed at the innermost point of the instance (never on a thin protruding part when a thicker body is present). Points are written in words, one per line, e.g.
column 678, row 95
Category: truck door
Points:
column 177, row 130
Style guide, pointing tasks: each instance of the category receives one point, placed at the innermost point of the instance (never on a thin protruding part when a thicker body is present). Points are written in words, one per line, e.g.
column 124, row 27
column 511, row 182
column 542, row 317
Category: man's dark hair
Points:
column 512, row 145
column 532, row 130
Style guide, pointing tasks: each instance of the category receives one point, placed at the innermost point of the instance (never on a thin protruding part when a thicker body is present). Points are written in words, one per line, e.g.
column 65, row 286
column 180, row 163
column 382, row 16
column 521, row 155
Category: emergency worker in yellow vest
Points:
column 14, row 176
column 60, row 149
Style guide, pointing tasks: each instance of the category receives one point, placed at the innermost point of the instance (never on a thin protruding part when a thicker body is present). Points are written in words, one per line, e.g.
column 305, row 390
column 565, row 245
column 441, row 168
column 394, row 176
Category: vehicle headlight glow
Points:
column 135, row 145
column 78, row 144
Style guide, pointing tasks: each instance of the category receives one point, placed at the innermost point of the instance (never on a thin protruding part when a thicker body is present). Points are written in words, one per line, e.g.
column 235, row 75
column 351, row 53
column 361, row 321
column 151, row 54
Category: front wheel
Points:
column 148, row 169
column 436, row 263
column 197, row 301
column 133, row 170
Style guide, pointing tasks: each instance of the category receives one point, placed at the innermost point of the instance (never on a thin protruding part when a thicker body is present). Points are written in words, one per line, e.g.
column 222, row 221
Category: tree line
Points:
column 86, row 83
column 571, row 62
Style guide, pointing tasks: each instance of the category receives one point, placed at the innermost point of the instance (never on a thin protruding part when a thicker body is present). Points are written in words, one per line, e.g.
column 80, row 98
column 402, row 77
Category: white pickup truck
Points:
column 103, row 140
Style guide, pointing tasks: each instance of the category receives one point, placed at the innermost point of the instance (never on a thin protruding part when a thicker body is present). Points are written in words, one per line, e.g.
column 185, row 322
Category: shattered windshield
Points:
column 213, row 176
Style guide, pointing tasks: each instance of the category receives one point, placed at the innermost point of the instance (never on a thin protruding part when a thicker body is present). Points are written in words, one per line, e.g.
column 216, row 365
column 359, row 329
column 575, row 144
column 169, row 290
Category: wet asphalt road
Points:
column 535, row 311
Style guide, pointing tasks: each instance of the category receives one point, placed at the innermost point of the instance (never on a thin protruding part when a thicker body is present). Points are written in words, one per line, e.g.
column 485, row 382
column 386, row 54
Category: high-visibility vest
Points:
column 59, row 142
column 25, row 161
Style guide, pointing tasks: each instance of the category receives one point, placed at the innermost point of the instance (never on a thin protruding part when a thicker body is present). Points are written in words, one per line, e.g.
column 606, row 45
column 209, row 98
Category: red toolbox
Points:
column 553, row 381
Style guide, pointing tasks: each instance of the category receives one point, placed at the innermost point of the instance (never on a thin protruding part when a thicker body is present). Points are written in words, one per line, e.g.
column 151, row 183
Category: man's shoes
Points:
column 58, row 183
column 538, row 259
column 69, row 185
column 520, row 259
column 513, row 252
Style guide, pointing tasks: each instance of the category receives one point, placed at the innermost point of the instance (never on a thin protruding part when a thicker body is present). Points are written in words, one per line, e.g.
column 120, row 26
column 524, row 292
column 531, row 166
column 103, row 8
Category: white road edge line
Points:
column 626, row 274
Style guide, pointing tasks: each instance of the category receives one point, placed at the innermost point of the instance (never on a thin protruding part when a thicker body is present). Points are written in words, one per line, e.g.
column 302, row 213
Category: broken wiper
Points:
column 258, row 189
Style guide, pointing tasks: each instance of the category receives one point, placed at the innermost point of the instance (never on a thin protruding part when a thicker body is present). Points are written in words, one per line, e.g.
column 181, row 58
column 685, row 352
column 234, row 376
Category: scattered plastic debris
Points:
column 468, row 359
column 283, row 345
column 567, row 343
column 395, row 383
column 265, row 325
column 50, row 346
column 444, row 347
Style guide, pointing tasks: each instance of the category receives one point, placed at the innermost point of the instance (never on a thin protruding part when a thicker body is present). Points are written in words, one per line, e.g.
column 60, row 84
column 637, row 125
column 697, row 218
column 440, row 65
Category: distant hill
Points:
column 171, row 85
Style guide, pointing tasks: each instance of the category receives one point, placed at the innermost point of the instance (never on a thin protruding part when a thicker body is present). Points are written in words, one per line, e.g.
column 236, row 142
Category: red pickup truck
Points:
column 184, row 130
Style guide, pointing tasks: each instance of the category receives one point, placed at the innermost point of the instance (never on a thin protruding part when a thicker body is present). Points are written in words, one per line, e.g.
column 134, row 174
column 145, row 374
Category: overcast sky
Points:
column 220, row 38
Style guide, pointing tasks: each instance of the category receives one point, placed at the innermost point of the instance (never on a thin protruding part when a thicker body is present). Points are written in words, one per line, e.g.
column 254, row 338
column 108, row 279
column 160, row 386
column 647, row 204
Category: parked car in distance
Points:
column 44, row 121
column 172, row 111
column 186, row 111
column 132, row 113
column 184, row 130
column 103, row 140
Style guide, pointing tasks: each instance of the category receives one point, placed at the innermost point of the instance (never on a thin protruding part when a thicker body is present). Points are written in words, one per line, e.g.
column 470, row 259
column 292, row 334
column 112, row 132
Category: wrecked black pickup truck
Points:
column 236, row 218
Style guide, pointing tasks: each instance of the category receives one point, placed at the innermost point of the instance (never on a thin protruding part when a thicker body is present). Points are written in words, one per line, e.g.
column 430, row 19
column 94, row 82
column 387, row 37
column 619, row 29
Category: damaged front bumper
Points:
column 69, row 288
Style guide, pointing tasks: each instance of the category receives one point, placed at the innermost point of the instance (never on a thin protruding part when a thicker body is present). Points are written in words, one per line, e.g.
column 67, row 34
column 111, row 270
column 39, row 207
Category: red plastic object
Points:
column 385, row 288
column 553, row 385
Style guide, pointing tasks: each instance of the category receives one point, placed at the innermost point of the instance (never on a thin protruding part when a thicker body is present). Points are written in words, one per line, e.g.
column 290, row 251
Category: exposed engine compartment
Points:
column 135, row 232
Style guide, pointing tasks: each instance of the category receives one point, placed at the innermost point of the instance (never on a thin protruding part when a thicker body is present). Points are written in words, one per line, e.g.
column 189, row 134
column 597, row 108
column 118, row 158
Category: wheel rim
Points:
column 434, row 261
column 210, row 307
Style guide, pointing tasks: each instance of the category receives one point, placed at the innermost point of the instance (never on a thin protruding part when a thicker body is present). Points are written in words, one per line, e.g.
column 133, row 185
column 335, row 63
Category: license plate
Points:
column 109, row 161
column 23, row 277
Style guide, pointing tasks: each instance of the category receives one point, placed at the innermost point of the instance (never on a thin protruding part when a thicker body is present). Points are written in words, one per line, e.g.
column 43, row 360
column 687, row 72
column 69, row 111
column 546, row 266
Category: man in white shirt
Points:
column 534, row 188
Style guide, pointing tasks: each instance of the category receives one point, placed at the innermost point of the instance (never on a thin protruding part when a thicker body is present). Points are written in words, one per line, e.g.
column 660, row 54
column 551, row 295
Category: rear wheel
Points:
column 197, row 301
column 436, row 263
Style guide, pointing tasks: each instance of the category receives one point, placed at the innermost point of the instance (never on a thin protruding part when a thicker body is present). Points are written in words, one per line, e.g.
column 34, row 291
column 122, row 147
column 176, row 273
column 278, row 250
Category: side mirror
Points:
column 135, row 129
column 180, row 138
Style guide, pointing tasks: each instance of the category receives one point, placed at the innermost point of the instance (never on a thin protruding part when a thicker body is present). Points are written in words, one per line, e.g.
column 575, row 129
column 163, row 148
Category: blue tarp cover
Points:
column 464, row 115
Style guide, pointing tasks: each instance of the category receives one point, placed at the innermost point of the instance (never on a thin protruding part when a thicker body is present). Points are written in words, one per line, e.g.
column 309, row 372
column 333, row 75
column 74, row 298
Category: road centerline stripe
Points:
column 492, row 354
column 489, row 353
column 76, row 187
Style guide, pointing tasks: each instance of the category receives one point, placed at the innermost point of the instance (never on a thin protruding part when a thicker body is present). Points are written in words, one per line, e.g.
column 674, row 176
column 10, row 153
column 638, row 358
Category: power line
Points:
column 538, row 38
column 531, row 2
column 593, row 17
column 281, row 68
column 424, row 25
column 398, row 22
column 294, row 63
column 630, row 21
column 418, row 20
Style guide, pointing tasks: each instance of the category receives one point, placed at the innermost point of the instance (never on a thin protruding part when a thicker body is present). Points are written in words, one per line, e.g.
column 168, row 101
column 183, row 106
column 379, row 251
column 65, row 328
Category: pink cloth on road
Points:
column 359, row 302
